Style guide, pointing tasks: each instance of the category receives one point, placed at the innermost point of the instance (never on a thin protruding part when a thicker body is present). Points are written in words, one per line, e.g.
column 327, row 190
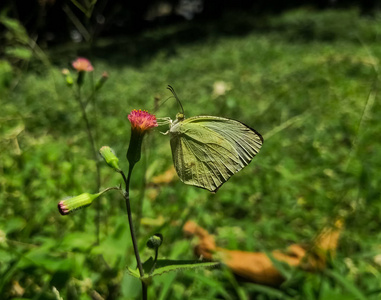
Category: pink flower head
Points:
column 141, row 120
column 82, row 64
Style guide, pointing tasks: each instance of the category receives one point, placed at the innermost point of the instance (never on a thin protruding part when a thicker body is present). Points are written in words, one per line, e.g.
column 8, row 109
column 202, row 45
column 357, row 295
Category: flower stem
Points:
column 132, row 231
column 95, row 156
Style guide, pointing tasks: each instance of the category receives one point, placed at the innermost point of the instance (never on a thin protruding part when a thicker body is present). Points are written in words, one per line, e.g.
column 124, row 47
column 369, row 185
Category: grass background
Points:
column 307, row 81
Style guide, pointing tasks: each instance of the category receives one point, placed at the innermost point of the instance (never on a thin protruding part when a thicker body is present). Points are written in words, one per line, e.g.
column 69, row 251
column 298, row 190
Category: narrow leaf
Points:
column 349, row 286
column 166, row 265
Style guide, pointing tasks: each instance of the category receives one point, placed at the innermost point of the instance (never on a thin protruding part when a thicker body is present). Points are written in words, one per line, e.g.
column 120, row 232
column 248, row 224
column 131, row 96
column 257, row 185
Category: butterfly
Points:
column 208, row 150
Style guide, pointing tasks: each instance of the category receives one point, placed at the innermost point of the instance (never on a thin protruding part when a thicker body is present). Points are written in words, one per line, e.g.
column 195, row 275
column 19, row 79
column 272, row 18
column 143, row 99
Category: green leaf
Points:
column 130, row 287
column 167, row 265
column 167, row 285
column 14, row 224
column 349, row 286
column 16, row 28
column 267, row 290
column 284, row 268
column 19, row 52
column 212, row 283
column 77, row 241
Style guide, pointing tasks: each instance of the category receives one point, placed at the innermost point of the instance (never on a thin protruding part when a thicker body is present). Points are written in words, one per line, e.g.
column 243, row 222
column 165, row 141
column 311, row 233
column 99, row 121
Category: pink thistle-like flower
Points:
column 62, row 208
column 142, row 120
column 82, row 64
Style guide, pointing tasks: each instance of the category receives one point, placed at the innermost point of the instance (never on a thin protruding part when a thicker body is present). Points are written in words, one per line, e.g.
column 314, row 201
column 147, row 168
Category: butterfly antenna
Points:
column 159, row 103
column 177, row 98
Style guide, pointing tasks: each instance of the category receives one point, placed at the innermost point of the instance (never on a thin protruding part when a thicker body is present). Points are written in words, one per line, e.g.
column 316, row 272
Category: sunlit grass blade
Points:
column 214, row 285
column 266, row 290
column 349, row 286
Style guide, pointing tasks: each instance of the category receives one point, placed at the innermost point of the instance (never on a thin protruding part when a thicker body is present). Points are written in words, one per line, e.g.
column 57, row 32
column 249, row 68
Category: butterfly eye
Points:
column 180, row 116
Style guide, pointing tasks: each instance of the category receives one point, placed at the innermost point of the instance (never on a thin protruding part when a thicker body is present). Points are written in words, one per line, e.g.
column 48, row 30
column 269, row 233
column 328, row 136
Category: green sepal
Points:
column 167, row 265
column 135, row 147
column 80, row 78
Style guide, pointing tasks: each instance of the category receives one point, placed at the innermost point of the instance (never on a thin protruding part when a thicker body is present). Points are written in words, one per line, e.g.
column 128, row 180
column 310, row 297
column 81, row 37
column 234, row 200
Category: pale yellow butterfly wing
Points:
column 208, row 150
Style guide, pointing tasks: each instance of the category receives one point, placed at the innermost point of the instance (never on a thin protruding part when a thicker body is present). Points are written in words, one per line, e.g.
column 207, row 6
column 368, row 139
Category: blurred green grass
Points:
column 307, row 81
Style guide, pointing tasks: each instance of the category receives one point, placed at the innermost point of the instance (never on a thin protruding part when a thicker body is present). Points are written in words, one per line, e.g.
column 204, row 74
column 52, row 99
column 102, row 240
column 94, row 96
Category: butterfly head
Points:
column 179, row 117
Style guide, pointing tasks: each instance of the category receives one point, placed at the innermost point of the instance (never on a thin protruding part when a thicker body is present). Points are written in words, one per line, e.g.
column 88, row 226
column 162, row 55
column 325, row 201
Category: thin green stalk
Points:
column 95, row 156
column 132, row 231
column 141, row 196
column 97, row 162
column 144, row 291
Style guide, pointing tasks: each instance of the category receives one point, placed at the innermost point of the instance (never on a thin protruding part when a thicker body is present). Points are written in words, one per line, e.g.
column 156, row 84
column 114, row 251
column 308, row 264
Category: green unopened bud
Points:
column 155, row 241
column 69, row 205
column 68, row 78
column 101, row 81
column 110, row 158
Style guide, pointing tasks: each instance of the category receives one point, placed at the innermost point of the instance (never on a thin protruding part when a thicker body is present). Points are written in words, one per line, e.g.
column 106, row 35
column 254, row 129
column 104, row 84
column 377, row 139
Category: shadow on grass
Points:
column 301, row 25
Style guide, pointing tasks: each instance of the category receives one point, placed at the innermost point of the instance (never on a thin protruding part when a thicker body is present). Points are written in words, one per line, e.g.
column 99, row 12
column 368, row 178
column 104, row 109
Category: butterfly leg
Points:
column 164, row 121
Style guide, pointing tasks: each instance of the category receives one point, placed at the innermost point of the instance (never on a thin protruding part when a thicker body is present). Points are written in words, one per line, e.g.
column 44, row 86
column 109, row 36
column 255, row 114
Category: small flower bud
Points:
column 69, row 205
column 82, row 65
column 68, row 77
column 110, row 158
column 101, row 81
column 155, row 241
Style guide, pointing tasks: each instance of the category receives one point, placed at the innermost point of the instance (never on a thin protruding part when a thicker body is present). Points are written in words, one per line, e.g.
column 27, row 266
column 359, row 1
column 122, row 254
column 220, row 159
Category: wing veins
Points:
column 203, row 164
column 222, row 162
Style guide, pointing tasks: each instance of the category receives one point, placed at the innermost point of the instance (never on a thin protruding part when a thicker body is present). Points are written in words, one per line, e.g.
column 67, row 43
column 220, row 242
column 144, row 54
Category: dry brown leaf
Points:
column 17, row 289
column 257, row 266
column 166, row 177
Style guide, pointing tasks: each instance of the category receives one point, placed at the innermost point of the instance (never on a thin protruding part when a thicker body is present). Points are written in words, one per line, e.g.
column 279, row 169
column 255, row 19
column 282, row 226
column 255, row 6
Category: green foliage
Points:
column 163, row 266
column 309, row 83
column 328, row 25
column 16, row 40
column 5, row 76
